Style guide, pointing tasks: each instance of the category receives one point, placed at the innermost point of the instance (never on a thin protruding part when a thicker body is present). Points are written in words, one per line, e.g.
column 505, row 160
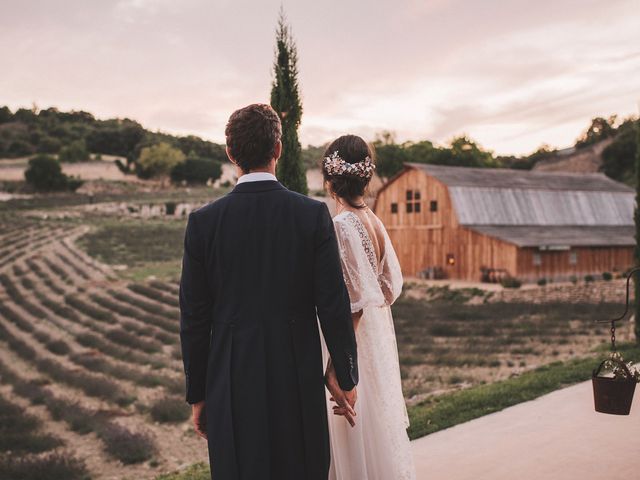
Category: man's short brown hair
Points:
column 252, row 134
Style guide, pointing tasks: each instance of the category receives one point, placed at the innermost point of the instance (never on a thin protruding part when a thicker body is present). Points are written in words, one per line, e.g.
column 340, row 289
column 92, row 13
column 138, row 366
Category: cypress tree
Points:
column 636, row 217
column 285, row 99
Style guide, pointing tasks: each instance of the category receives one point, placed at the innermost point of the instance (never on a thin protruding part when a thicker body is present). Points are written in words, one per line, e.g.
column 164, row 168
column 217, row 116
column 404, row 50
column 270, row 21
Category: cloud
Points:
column 511, row 74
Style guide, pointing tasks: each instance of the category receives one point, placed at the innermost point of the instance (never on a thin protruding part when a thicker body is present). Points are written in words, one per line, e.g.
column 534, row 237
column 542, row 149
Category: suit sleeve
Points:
column 196, row 307
column 332, row 302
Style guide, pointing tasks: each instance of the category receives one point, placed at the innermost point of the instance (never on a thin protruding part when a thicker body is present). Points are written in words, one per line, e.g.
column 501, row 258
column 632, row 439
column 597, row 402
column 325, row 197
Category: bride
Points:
column 373, row 445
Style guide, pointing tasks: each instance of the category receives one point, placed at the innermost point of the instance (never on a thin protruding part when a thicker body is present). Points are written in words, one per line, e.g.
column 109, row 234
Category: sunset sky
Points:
column 512, row 74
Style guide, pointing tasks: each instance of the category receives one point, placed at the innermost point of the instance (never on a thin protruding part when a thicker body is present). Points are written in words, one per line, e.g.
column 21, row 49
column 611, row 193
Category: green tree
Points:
column 285, row 99
column 158, row 160
column 390, row 157
column 196, row 170
column 599, row 129
column 636, row 217
column 74, row 152
column 5, row 114
column 44, row 173
column 618, row 158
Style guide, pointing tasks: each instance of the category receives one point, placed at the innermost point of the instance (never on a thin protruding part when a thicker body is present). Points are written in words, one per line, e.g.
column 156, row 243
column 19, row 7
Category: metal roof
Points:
column 511, row 206
column 494, row 196
column 550, row 237
column 521, row 179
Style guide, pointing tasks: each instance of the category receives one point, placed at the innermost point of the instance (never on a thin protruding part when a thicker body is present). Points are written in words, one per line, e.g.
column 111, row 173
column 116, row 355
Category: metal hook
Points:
column 626, row 308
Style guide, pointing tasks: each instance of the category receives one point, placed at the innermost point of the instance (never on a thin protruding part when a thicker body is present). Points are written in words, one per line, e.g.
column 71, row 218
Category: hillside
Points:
column 583, row 160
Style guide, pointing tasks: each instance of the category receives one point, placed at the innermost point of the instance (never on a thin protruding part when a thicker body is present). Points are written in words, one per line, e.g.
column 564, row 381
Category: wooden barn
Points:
column 485, row 224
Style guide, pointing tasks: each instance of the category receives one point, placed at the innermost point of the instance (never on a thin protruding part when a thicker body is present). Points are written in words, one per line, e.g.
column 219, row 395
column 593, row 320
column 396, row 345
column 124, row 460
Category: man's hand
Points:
column 345, row 401
column 199, row 419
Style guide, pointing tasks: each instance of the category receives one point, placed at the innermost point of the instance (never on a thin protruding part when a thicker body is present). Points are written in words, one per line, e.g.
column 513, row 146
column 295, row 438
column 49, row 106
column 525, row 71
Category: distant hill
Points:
column 582, row 160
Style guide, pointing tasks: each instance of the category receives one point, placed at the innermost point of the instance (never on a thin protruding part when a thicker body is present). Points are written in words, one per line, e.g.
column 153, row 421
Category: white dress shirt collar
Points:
column 256, row 177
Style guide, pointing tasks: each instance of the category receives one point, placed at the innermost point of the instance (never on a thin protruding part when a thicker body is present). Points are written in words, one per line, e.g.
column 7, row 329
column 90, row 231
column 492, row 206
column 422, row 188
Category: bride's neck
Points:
column 342, row 204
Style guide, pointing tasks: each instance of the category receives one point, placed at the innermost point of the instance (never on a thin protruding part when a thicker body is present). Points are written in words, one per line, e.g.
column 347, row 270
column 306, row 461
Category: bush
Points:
column 53, row 465
column 127, row 446
column 196, row 170
column 169, row 410
column 59, row 347
column 607, row 276
column 573, row 279
column 588, row 278
column 510, row 282
column 74, row 152
column 542, row 282
column 158, row 160
column 45, row 174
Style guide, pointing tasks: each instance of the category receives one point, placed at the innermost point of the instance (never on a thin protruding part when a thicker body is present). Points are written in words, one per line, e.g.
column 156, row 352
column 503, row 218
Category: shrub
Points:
column 607, row 276
column 58, row 347
column 196, row 171
column 542, row 282
column 169, row 410
column 158, row 160
column 45, row 174
column 74, row 152
column 127, row 446
column 510, row 282
column 588, row 278
column 53, row 465
column 573, row 279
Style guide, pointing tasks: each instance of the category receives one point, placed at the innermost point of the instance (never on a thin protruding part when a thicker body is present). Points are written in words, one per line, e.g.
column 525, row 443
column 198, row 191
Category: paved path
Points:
column 558, row 436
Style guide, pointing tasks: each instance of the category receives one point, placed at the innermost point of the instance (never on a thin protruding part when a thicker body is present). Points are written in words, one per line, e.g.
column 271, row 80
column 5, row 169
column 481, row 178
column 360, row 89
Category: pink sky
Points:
column 511, row 74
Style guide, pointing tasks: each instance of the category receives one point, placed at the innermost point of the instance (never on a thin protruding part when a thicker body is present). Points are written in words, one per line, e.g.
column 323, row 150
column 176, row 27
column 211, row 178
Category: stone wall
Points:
column 592, row 292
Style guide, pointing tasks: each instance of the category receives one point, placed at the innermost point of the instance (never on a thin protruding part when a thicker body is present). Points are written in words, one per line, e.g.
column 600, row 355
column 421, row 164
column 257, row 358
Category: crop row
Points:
column 120, row 442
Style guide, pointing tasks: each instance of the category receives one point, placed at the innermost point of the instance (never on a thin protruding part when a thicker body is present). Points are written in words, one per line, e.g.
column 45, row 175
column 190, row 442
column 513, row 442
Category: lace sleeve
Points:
column 359, row 264
column 390, row 277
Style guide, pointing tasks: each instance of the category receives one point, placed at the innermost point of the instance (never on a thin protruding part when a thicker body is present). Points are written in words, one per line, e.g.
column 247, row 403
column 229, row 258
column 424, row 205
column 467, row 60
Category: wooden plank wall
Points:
column 425, row 239
column 590, row 260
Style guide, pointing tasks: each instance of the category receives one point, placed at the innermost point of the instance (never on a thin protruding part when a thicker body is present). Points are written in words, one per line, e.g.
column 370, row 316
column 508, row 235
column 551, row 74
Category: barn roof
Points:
column 521, row 179
column 534, row 236
column 485, row 196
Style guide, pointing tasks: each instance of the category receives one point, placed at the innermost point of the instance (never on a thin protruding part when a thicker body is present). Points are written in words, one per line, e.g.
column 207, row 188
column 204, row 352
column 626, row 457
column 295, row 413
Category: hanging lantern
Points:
column 614, row 394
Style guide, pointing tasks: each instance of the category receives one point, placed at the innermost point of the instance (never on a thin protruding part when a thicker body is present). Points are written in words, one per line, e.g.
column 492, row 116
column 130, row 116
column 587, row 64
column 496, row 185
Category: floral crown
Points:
column 334, row 166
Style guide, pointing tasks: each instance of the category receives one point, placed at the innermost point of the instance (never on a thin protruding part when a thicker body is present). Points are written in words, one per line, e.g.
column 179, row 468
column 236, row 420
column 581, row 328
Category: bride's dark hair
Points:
column 352, row 149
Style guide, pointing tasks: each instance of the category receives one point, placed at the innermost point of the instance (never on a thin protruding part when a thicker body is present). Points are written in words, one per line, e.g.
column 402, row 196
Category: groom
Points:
column 260, row 266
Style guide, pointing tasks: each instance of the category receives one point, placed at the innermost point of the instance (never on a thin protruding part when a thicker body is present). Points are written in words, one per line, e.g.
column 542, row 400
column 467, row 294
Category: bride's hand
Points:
column 345, row 400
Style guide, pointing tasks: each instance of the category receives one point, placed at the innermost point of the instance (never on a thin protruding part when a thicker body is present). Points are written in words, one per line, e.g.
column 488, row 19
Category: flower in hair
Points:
column 334, row 166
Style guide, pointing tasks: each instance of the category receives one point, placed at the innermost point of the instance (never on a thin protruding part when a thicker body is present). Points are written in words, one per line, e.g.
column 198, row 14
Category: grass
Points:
column 134, row 243
column 440, row 412
column 197, row 471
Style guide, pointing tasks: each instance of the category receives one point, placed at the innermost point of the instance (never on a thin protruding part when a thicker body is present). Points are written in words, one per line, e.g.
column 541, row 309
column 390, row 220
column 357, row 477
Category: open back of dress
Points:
column 377, row 448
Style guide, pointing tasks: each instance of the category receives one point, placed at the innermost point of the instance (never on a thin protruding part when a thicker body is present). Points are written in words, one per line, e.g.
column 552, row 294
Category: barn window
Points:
column 394, row 208
column 433, row 206
column 451, row 259
column 573, row 258
column 537, row 260
column 413, row 201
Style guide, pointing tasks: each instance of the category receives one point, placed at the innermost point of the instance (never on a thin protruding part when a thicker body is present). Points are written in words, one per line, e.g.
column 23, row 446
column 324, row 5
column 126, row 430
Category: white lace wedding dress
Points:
column 377, row 448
